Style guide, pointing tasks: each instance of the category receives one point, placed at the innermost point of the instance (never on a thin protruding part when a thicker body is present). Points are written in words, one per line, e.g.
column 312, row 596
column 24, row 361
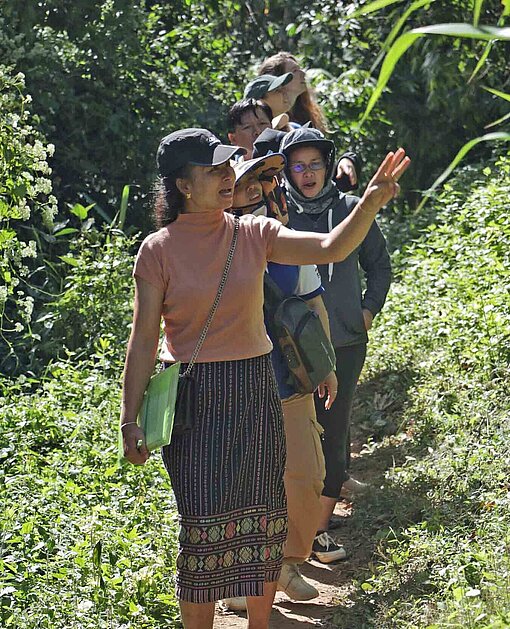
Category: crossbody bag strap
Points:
column 214, row 307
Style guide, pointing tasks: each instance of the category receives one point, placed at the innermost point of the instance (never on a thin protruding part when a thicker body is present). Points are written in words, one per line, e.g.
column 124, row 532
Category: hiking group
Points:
column 257, row 477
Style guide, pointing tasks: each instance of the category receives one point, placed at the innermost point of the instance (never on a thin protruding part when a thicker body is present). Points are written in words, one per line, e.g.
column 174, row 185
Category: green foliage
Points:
column 94, row 310
column 82, row 303
column 83, row 544
column 401, row 45
column 439, row 517
column 110, row 78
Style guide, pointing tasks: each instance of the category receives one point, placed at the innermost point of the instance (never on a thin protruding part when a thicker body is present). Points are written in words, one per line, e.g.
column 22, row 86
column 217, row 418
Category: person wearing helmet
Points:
column 315, row 204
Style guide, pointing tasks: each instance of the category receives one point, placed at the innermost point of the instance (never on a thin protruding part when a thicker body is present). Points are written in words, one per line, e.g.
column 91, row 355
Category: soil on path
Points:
column 334, row 581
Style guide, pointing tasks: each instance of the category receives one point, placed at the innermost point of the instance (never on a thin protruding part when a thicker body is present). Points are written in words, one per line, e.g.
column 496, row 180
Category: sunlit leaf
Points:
column 123, row 207
column 498, row 121
column 400, row 46
column 481, row 61
column 372, row 7
column 66, row 231
column 418, row 4
column 80, row 211
column 497, row 93
column 489, row 137
column 476, row 12
column 69, row 260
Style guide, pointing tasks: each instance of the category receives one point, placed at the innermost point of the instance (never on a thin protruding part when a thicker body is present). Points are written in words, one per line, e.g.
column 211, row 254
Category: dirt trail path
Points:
column 334, row 585
column 334, row 581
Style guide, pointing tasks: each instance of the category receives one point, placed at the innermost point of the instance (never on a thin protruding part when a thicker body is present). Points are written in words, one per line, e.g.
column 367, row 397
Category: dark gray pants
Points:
column 336, row 421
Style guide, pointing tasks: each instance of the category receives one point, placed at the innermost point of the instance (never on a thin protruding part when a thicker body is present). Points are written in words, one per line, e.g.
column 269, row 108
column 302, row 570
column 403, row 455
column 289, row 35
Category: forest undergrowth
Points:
column 87, row 545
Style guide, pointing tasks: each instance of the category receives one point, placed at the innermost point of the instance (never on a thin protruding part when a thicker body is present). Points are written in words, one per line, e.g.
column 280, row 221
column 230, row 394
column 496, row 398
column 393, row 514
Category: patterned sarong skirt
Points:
column 227, row 476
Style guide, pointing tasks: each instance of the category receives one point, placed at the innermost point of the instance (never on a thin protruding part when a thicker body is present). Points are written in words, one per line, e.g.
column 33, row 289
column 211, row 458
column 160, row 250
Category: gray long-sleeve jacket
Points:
column 343, row 295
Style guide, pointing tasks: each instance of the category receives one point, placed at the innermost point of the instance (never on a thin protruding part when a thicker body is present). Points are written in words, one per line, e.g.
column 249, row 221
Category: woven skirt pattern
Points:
column 227, row 476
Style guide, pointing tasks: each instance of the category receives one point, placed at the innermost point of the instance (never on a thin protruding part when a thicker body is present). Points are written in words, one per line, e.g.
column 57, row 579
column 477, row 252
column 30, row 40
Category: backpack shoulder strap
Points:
column 273, row 295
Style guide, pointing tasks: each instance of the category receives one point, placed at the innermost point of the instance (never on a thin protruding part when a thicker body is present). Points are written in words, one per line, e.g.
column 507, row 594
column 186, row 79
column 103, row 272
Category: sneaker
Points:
column 326, row 550
column 353, row 486
column 236, row 603
column 291, row 582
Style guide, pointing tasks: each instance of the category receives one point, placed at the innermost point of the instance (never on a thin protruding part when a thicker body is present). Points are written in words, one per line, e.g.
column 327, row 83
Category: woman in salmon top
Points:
column 227, row 472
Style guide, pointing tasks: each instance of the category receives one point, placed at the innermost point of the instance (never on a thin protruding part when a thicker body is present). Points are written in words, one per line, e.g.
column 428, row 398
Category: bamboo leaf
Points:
column 498, row 121
column 481, row 61
column 497, row 93
column 476, row 12
column 406, row 40
column 123, row 207
column 489, row 137
column 401, row 21
column 506, row 7
column 372, row 7
column 397, row 27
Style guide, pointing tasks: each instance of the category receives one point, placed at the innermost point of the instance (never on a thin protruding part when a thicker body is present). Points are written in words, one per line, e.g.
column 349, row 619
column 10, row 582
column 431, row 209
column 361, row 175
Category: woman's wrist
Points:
column 122, row 424
column 364, row 208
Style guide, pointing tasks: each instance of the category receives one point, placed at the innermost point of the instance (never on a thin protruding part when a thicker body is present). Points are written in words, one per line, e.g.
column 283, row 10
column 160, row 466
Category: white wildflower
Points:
column 29, row 306
column 29, row 250
column 24, row 210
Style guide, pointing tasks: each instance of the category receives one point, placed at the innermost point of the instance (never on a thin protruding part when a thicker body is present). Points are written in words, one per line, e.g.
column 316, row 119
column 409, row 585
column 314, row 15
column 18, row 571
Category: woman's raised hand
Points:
column 384, row 184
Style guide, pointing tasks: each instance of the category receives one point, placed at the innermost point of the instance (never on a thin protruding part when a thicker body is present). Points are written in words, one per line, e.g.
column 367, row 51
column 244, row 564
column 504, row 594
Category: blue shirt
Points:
column 303, row 281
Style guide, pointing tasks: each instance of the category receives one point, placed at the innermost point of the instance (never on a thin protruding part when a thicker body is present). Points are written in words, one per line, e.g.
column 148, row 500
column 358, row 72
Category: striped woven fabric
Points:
column 227, row 476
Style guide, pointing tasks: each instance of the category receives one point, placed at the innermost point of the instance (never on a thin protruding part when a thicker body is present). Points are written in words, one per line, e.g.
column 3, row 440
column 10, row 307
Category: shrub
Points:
column 443, row 550
column 27, row 205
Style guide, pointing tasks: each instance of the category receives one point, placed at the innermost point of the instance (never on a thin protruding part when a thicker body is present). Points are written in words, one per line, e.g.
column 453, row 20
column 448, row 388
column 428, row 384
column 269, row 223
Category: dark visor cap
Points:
column 199, row 147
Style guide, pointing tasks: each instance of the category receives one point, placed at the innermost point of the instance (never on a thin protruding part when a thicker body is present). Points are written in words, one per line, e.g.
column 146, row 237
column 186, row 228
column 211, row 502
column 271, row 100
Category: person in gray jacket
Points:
column 316, row 204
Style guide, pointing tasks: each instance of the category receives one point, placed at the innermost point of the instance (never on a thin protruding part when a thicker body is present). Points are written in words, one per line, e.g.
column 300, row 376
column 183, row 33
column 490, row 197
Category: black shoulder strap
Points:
column 273, row 296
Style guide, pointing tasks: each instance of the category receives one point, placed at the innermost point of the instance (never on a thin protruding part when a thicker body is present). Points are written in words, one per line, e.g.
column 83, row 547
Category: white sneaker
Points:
column 236, row 603
column 291, row 582
column 353, row 486
column 326, row 550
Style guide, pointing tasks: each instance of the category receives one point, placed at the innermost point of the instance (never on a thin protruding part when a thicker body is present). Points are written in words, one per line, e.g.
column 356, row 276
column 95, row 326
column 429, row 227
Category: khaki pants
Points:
column 304, row 475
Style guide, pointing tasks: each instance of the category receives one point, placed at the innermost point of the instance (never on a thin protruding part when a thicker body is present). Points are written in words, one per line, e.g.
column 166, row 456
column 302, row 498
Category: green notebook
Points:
column 156, row 417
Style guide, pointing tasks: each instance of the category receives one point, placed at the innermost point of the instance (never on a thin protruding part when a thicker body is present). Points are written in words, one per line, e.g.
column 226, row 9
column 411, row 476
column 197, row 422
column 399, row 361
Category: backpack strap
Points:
column 273, row 295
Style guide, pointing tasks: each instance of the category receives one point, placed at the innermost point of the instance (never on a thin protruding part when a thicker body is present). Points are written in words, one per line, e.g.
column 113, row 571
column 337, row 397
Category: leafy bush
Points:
column 443, row 546
column 26, row 202
column 84, row 544
column 94, row 310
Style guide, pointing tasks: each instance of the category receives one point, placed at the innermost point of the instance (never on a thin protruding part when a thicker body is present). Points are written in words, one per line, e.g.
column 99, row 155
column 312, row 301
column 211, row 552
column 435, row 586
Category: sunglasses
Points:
column 301, row 168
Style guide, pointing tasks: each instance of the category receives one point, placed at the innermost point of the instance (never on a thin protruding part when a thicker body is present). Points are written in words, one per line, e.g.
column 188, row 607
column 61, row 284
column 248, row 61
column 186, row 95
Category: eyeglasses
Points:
column 302, row 168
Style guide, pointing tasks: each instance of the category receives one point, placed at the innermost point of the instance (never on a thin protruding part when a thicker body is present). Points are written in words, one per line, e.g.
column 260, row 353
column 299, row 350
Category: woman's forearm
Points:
column 317, row 305
column 142, row 348
column 138, row 369
column 293, row 247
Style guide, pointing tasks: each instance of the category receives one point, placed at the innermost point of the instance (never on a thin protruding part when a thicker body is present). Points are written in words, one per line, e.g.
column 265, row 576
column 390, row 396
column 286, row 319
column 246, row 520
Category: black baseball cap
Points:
column 266, row 83
column 199, row 147
column 268, row 142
